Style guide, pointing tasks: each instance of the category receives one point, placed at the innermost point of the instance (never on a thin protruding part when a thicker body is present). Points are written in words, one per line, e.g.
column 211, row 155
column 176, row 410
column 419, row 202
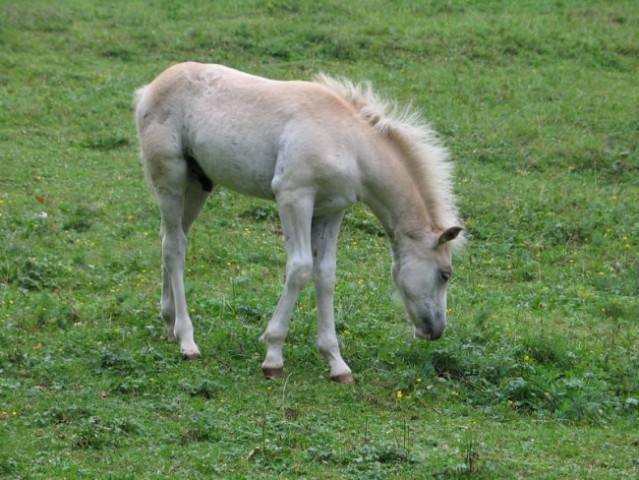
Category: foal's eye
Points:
column 445, row 275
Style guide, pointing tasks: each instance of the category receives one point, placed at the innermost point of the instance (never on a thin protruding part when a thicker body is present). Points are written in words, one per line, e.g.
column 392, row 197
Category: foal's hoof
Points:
column 191, row 356
column 343, row 378
column 273, row 373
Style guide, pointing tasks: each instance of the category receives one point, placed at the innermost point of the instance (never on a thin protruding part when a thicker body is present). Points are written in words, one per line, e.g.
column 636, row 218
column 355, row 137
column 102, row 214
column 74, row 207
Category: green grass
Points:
column 537, row 376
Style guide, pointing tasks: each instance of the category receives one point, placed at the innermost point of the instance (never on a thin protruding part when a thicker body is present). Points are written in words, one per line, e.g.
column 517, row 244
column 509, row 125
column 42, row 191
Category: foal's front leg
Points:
column 296, row 212
column 324, row 244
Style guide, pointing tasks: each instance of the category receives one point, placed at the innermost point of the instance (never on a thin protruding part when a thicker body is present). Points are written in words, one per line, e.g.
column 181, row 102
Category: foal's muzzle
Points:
column 431, row 327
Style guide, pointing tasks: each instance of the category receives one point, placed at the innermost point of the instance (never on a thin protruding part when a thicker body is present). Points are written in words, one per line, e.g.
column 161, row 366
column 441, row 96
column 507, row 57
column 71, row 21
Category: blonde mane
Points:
column 425, row 158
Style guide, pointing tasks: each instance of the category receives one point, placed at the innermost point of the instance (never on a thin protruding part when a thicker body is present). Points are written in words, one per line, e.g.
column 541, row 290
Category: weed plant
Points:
column 537, row 376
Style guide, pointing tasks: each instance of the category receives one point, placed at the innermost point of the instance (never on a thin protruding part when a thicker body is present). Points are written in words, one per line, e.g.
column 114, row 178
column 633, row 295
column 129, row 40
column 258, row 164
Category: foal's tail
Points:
column 141, row 104
column 137, row 96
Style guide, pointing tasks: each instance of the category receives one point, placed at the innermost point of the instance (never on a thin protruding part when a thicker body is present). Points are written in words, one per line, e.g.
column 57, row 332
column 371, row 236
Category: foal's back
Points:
column 242, row 129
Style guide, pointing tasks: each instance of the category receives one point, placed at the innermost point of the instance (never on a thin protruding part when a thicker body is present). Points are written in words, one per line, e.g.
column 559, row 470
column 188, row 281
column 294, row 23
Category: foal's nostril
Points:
column 434, row 326
column 436, row 333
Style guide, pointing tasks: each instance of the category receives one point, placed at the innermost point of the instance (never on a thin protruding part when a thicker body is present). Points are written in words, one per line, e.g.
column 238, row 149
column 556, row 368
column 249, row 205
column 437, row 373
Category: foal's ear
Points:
column 448, row 235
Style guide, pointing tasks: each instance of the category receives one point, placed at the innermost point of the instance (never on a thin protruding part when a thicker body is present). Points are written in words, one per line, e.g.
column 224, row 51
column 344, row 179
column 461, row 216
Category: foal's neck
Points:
column 395, row 199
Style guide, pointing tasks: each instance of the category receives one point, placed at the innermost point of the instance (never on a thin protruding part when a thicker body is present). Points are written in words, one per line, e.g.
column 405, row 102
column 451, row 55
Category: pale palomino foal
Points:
column 315, row 148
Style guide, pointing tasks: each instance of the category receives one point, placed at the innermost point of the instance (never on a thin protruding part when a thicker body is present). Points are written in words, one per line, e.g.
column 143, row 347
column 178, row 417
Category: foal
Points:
column 314, row 148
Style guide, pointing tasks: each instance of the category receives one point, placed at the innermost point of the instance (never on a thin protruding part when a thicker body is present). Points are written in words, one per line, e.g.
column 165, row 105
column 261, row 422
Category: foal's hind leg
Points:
column 180, row 201
column 194, row 199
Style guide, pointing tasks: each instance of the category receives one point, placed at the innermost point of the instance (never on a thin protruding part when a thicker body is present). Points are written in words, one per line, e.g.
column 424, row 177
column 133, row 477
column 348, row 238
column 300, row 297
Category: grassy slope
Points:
column 537, row 376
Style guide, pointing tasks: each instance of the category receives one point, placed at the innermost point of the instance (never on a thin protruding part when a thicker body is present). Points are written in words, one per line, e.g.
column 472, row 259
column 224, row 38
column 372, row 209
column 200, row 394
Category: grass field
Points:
column 538, row 374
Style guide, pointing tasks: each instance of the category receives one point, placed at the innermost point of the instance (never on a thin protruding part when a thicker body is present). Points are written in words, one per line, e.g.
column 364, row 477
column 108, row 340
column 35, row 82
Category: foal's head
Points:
column 421, row 271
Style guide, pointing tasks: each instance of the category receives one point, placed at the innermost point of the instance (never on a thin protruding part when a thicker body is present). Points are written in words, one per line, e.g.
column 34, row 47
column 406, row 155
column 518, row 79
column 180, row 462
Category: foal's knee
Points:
column 299, row 272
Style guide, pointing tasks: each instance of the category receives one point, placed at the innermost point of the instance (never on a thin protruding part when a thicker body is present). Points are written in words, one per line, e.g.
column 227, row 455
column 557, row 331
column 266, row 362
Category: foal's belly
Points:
column 239, row 169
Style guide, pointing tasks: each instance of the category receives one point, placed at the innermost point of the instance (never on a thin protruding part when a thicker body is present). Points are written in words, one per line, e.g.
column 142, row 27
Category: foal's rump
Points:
column 184, row 115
